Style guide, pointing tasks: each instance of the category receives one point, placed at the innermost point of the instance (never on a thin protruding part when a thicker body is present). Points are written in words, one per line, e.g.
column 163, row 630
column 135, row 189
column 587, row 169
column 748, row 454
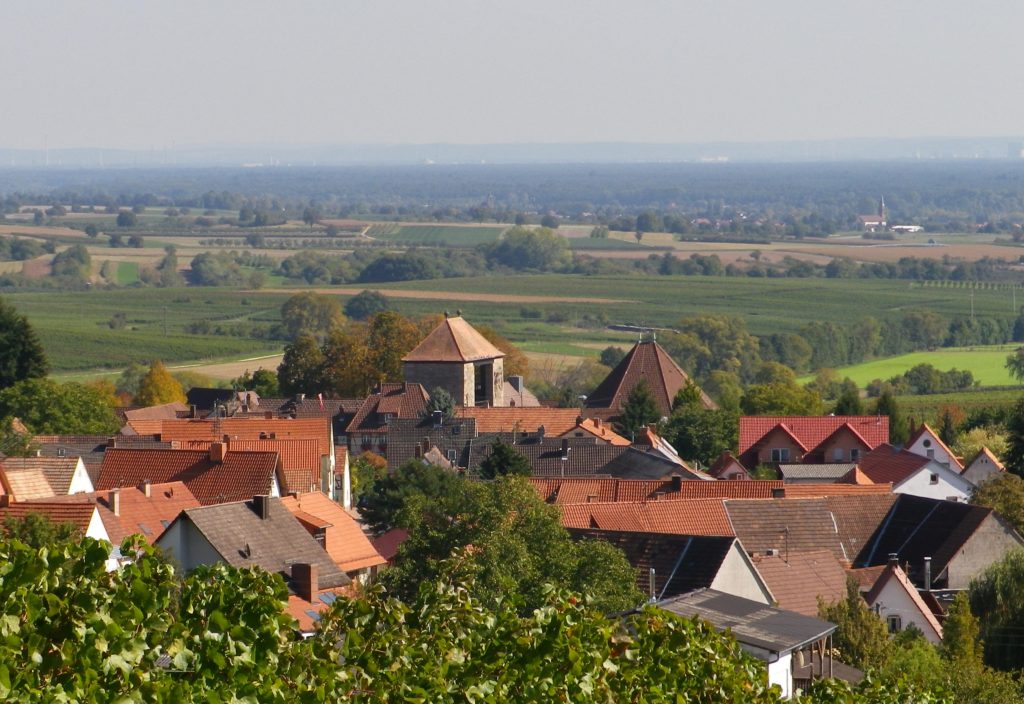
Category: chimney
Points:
column 779, row 492
column 540, row 432
column 5, row 500
column 306, row 580
column 565, row 449
column 425, row 445
column 146, row 487
column 193, row 412
column 115, row 501
column 677, row 482
column 302, row 397
column 597, row 422
column 268, row 415
column 438, row 417
column 928, row 574
column 217, row 451
column 650, row 583
column 261, row 502
column 894, row 560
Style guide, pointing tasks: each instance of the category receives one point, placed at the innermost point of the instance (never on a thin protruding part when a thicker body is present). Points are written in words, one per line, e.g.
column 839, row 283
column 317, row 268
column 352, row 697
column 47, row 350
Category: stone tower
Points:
column 455, row 357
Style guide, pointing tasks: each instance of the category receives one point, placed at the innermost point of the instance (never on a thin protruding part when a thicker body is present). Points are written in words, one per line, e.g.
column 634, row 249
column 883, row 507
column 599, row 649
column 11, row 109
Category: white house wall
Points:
column 187, row 546
column 950, row 484
column 989, row 544
column 80, row 482
column 894, row 601
column 737, row 576
column 937, row 453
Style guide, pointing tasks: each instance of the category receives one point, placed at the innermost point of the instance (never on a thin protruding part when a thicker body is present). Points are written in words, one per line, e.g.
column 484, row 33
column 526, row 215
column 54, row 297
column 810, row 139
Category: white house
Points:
column 927, row 443
column 985, row 465
column 915, row 474
column 898, row 602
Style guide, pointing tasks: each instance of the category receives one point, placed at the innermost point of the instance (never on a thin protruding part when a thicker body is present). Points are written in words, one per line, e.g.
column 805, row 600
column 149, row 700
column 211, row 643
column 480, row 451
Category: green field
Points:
column 926, row 408
column 597, row 243
column 985, row 362
column 75, row 329
column 127, row 273
column 436, row 235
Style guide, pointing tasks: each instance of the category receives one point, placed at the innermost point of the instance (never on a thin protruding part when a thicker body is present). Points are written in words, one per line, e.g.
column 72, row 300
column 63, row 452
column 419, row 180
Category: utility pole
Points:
column 165, row 321
column 972, row 305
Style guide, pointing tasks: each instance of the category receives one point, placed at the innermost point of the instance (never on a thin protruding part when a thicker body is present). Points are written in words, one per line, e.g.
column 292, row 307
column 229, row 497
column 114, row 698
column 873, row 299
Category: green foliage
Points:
column 503, row 541
column 366, row 470
column 262, row 381
column 886, row 405
column 997, row 599
column 961, row 633
column 1015, row 364
column 538, row 249
column 504, row 461
column 849, row 403
column 300, row 368
column 639, row 411
column 862, row 638
column 311, row 313
column 45, row 406
column 969, row 443
column 21, row 354
column 38, row 531
column 14, row 443
column 440, row 400
column 382, row 505
column 74, row 264
column 1014, row 458
column 366, row 304
column 158, row 387
column 1004, row 493
column 700, row 434
column 776, row 393
column 707, row 343
column 611, row 356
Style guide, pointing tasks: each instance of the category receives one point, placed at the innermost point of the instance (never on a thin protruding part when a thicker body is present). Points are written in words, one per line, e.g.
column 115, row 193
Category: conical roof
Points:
column 646, row 361
column 453, row 340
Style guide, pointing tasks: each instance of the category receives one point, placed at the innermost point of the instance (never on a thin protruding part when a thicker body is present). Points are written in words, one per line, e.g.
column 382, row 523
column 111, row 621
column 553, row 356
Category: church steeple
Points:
column 881, row 208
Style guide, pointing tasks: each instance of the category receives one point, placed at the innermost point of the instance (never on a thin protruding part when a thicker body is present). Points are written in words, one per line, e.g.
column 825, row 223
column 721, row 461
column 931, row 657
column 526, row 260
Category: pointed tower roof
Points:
column 647, row 360
column 453, row 340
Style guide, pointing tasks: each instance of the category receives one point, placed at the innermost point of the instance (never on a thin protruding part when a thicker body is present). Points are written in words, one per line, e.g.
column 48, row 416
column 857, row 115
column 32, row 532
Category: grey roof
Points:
column 815, row 471
column 276, row 543
column 751, row 623
column 585, row 458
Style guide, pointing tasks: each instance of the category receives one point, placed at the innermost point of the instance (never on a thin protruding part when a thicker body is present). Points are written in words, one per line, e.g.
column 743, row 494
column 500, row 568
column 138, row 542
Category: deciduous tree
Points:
column 504, row 461
column 158, row 386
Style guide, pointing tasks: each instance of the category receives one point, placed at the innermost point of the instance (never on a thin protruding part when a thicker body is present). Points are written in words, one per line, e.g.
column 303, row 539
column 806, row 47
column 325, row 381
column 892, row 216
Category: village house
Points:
column 45, row 477
column 915, row 474
column 894, row 598
column 260, row 532
column 982, row 467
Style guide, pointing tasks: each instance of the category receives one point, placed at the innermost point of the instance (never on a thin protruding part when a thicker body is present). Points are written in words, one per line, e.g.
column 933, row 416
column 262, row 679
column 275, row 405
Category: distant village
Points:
column 230, row 477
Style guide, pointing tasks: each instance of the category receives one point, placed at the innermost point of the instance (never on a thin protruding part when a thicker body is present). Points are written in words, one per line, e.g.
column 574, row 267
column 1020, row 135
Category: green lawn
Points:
column 127, row 273
column 986, row 363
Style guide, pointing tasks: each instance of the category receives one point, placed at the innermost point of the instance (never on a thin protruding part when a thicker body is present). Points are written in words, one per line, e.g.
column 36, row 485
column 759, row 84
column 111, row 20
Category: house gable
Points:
column 845, row 444
column 927, row 443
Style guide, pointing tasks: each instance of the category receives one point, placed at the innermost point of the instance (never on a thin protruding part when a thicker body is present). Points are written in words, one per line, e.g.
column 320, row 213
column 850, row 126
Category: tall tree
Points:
column 639, row 411
column 848, row 403
column 961, row 633
column 997, row 599
column 46, row 407
column 504, row 461
column 158, row 386
column 1014, row 459
column 311, row 313
column 21, row 353
column 301, row 367
column 886, row 405
column 862, row 637
column 516, row 362
column 390, row 336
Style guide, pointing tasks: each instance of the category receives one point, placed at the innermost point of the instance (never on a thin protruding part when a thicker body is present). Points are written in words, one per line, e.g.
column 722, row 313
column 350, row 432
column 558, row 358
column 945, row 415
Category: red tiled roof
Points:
column 300, row 459
column 78, row 512
column 812, row 430
column 724, row 461
column 610, row 489
column 250, row 428
column 601, row 430
column 25, row 483
column 345, row 541
column 887, row 464
column 685, row 517
column 646, row 361
column 814, row 490
column 404, row 400
column 453, row 340
column 797, row 580
column 161, row 412
column 925, row 429
column 240, row 476
column 523, row 419
column 388, row 543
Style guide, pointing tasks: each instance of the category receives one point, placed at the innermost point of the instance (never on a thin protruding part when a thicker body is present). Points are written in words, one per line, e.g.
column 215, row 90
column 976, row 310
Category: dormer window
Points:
column 388, row 417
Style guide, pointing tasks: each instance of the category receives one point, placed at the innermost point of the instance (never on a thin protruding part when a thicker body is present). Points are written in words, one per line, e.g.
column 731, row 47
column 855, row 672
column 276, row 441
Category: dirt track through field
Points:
column 451, row 295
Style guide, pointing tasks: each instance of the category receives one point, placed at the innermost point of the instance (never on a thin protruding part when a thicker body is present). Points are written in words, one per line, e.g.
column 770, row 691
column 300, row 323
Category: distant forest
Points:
column 950, row 196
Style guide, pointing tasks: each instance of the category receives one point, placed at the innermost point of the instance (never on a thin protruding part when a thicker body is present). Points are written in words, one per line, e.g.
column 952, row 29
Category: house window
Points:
column 934, row 479
column 854, row 455
column 931, row 454
column 453, row 456
column 895, row 623
column 837, row 454
column 780, row 454
column 927, row 442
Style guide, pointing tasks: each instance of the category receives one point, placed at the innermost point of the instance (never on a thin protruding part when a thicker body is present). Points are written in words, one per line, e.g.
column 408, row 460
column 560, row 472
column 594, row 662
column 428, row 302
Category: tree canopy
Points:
column 45, row 406
column 21, row 353
column 158, row 387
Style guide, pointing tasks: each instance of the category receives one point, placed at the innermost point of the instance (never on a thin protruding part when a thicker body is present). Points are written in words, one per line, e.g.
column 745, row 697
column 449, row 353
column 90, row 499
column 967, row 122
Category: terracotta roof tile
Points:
column 812, row 490
column 388, row 543
column 160, row 412
column 600, row 430
column 453, row 340
column 692, row 517
column 240, row 475
column 345, row 541
column 78, row 513
column 251, row 428
column 26, row 483
column 797, row 580
column 647, row 360
column 300, row 459
column 405, row 401
column 59, row 471
column 522, row 419
column 812, row 430
column 888, row 464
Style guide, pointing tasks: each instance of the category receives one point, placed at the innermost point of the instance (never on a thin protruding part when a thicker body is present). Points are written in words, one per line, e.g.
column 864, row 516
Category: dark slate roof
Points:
column 89, row 447
column 206, row 399
column 916, row 528
column 399, row 443
column 647, row 360
column 243, row 539
column 842, row 525
column 681, row 563
column 752, row 623
column 404, row 401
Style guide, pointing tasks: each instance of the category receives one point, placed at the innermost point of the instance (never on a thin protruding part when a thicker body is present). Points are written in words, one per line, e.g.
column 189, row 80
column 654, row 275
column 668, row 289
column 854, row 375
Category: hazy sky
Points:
column 137, row 74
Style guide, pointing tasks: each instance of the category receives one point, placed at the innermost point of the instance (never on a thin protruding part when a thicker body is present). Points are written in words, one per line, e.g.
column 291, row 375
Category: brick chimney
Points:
column 115, row 501
column 146, row 487
column 5, row 500
column 677, row 482
column 306, row 579
column 218, row 450
column 261, row 503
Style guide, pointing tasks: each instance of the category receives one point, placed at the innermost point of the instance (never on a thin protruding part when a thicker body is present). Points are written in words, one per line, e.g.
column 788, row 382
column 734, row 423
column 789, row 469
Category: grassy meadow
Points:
column 986, row 363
